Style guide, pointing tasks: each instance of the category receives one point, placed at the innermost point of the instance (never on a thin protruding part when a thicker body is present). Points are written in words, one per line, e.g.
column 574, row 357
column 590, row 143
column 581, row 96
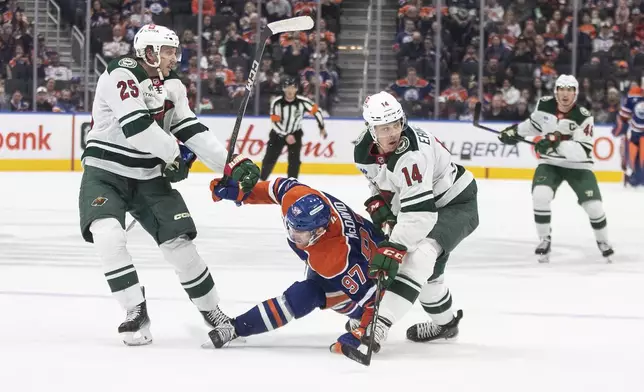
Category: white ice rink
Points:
column 576, row 324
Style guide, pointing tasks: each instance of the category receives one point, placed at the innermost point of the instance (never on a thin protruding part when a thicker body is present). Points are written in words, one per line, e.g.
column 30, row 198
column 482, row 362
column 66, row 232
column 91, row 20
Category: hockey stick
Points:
column 282, row 26
column 477, row 117
column 352, row 352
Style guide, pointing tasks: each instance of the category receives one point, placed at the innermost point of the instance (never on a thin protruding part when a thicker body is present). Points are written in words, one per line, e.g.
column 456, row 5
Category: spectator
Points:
column 455, row 93
column 497, row 112
column 17, row 103
column 157, row 7
column 493, row 12
column 413, row 92
column 278, row 10
column 237, row 88
column 99, row 15
column 117, row 47
column 52, row 94
column 468, row 113
column 522, row 112
column 497, row 50
column 64, row 103
column 56, row 70
column 221, row 72
column 604, row 40
column 404, row 36
column 20, row 65
column 236, row 46
column 208, row 7
column 42, row 105
column 411, row 51
column 295, row 59
column 510, row 93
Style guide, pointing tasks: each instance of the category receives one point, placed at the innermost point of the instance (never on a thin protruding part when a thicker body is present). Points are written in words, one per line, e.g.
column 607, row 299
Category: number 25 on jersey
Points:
column 128, row 89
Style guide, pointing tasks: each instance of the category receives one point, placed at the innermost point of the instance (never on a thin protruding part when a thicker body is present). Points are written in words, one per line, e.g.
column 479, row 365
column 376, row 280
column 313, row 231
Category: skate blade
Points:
column 608, row 260
column 209, row 345
column 544, row 259
column 141, row 337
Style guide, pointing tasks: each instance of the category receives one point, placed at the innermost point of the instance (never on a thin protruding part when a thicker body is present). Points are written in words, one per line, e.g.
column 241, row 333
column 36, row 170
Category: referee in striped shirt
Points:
column 286, row 119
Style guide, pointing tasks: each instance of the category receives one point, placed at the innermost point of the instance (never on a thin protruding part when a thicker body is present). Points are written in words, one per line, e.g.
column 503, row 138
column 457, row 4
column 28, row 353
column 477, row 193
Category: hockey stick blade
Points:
column 291, row 24
column 355, row 355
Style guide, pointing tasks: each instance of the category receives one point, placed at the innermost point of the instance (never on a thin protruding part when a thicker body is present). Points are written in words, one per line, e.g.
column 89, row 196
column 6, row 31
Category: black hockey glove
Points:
column 510, row 135
column 176, row 170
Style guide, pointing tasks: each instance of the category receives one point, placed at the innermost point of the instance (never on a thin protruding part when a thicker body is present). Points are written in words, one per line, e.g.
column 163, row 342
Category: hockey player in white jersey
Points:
column 565, row 154
column 431, row 204
column 139, row 114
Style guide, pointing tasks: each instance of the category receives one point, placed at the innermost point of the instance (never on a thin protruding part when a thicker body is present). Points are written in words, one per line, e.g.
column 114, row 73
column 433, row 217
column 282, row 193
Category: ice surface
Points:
column 576, row 324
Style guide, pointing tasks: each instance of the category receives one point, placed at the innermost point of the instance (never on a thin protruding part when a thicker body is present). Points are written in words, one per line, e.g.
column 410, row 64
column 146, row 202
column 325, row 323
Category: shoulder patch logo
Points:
column 403, row 145
column 128, row 63
column 99, row 201
column 360, row 137
column 584, row 111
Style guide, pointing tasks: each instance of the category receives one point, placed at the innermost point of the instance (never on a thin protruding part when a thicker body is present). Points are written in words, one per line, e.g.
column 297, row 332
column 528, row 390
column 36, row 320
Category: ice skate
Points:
column 606, row 249
column 428, row 331
column 543, row 250
column 223, row 334
column 135, row 330
column 214, row 318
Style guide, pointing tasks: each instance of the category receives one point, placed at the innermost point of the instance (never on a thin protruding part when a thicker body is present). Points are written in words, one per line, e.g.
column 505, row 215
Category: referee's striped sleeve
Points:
column 276, row 115
column 314, row 109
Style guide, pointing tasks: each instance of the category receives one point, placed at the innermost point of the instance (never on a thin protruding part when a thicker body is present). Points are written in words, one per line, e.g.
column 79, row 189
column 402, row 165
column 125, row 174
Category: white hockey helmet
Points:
column 382, row 108
column 155, row 36
column 567, row 81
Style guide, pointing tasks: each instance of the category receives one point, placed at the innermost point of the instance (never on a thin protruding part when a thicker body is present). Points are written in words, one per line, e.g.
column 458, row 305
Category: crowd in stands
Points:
column 57, row 91
column 228, row 46
column 527, row 44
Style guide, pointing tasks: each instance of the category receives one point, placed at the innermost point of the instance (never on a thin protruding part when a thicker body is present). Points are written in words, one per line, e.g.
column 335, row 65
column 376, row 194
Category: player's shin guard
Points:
column 404, row 290
column 193, row 273
column 597, row 216
column 110, row 243
column 297, row 301
column 541, row 198
column 436, row 300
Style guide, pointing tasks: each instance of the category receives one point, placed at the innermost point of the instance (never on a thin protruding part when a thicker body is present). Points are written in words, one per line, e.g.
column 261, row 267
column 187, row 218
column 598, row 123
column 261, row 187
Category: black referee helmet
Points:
column 289, row 81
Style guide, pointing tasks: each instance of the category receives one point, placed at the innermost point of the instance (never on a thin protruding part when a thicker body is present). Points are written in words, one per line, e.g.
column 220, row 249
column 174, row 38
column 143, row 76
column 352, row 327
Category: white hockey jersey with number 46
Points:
column 420, row 174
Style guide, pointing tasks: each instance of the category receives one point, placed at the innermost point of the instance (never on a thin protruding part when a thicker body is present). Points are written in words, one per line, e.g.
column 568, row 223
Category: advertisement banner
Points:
column 47, row 137
column 35, row 141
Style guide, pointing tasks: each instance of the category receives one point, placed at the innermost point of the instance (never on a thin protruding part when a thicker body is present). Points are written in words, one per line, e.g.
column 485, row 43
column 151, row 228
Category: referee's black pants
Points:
column 274, row 149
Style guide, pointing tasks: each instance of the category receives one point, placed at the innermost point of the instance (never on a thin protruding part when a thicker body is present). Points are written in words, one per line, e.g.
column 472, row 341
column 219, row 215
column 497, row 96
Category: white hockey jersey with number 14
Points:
column 422, row 177
column 137, row 120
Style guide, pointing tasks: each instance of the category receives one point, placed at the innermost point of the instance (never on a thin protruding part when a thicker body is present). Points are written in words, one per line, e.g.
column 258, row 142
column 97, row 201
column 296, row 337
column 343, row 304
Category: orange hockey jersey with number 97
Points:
column 338, row 261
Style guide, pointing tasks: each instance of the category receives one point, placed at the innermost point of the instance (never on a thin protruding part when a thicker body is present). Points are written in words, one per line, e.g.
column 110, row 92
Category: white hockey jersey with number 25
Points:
column 137, row 120
column 420, row 174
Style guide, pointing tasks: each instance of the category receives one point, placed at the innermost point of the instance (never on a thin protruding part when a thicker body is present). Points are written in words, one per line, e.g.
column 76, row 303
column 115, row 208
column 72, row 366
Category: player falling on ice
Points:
column 431, row 203
column 132, row 155
column 334, row 242
column 565, row 154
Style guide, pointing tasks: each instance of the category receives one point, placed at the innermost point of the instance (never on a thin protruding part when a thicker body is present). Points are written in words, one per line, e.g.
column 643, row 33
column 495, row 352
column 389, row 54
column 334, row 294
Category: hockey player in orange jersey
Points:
column 334, row 242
